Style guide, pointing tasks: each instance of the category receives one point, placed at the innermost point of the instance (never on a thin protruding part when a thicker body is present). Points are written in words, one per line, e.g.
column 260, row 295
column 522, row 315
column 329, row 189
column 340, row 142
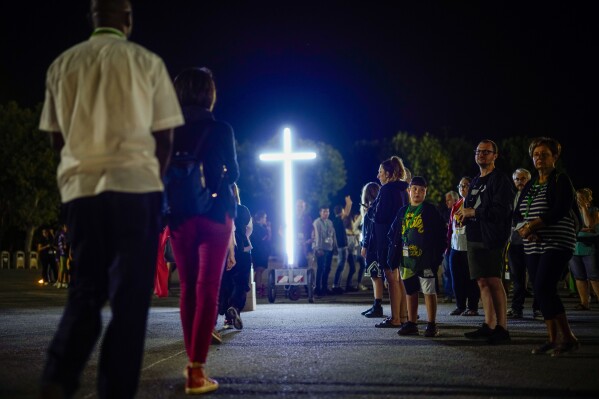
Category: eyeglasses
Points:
column 484, row 152
column 460, row 186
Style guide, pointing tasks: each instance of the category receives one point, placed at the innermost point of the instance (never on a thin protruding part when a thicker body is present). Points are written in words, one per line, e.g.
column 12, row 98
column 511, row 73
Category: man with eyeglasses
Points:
column 487, row 212
column 516, row 260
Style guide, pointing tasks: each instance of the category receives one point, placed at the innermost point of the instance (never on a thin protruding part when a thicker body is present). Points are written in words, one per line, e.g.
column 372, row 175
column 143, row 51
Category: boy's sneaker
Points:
column 233, row 316
column 500, row 336
column 362, row 287
column 483, row 332
column 431, row 330
column 408, row 328
column 514, row 314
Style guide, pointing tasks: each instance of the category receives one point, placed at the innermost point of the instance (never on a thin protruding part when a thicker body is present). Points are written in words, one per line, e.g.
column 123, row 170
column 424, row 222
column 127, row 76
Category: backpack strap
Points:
column 191, row 131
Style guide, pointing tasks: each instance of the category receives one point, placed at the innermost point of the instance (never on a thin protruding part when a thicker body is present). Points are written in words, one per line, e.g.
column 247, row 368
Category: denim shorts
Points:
column 584, row 267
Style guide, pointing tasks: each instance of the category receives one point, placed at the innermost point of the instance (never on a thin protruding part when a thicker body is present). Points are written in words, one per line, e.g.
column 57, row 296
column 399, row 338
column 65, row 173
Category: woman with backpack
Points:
column 200, row 239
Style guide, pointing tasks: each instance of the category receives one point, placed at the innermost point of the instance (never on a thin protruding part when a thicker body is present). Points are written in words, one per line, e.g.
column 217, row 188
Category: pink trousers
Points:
column 200, row 247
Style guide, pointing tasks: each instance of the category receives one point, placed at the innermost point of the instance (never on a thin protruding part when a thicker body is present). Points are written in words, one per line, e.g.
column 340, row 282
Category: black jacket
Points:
column 494, row 214
column 217, row 149
column 432, row 242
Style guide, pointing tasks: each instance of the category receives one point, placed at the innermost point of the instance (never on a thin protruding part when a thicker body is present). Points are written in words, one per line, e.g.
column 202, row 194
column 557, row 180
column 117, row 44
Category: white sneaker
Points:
column 362, row 287
column 65, row 285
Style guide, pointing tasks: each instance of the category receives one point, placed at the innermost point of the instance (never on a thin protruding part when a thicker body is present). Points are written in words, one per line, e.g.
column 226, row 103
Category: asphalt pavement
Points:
column 325, row 349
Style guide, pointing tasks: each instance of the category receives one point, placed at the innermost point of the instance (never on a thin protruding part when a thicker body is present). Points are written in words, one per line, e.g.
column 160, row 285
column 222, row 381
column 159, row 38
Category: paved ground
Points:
column 301, row 350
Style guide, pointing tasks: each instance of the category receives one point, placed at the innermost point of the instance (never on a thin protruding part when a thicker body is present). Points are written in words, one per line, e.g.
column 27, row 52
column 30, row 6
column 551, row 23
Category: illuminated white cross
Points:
column 287, row 156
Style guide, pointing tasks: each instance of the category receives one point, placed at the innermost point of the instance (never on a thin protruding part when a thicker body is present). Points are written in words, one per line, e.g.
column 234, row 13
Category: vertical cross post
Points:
column 287, row 157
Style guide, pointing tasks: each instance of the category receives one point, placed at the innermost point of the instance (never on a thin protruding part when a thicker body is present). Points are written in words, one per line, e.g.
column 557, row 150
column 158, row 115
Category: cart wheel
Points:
column 310, row 286
column 272, row 288
column 294, row 293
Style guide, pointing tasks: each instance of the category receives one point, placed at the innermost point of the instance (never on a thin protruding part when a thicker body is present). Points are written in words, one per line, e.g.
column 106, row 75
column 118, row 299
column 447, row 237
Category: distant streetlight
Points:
column 287, row 157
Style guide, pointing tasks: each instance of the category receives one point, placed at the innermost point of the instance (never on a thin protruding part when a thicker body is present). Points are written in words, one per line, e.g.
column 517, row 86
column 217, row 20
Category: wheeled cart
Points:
column 292, row 279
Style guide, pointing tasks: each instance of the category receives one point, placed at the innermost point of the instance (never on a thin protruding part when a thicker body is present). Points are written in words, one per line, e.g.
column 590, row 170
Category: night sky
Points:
column 339, row 73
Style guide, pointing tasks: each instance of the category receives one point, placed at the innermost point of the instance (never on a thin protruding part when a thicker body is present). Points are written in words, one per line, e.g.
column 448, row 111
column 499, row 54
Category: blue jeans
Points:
column 323, row 269
column 447, row 279
column 362, row 269
column 341, row 259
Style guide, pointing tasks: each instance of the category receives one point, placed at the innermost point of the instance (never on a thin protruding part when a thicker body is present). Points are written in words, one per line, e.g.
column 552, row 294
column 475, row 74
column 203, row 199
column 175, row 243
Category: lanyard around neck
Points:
column 536, row 187
column 110, row 31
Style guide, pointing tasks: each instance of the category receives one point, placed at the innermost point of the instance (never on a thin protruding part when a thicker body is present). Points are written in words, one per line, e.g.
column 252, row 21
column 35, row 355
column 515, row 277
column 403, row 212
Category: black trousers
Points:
column 235, row 283
column 517, row 262
column 546, row 270
column 114, row 240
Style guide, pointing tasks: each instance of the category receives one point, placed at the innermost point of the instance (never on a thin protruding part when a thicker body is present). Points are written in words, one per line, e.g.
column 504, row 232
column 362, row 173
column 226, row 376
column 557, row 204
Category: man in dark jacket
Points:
column 487, row 211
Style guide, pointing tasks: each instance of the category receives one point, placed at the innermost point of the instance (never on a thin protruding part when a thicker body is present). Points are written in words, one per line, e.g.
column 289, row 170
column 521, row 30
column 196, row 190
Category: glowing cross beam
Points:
column 287, row 156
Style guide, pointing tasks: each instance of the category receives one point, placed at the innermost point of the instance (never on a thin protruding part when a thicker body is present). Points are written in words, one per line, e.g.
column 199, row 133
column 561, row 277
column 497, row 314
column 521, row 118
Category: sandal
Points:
column 580, row 306
column 470, row 312
column 387, row 324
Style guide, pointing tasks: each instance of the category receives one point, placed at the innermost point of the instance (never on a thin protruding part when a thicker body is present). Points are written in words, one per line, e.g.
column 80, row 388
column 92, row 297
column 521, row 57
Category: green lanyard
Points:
column 112, row 31
column 408, row 220
column 531, row 196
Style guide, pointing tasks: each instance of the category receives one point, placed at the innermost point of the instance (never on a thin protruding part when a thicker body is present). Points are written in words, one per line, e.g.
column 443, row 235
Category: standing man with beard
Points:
column 487, row 213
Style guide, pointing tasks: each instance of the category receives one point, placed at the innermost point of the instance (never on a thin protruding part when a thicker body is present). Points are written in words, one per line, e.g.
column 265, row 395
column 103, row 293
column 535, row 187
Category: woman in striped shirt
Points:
column 549, row 233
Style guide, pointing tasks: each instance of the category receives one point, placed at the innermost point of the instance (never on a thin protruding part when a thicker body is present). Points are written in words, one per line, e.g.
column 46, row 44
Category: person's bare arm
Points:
column 348, row 205
column 164, row 147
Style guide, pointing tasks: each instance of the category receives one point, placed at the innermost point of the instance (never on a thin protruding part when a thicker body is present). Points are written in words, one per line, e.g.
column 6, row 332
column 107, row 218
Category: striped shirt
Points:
column 560, row 236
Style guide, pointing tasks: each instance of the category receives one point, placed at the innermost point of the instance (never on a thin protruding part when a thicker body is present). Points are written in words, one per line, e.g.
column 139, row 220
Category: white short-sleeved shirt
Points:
column 106, row 96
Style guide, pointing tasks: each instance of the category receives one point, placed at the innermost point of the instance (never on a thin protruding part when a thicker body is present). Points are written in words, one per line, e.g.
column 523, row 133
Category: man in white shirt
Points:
column 110, row 109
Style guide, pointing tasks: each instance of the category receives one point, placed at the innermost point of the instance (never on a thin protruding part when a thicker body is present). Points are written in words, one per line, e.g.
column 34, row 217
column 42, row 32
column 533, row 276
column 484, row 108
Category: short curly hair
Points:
column 554, row 146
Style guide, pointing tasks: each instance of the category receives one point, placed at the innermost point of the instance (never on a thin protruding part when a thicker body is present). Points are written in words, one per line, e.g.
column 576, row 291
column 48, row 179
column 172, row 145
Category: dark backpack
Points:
column 186, row 193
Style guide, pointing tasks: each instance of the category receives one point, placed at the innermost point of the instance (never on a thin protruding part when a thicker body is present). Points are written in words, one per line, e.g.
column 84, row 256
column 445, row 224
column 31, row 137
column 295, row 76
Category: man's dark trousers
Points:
column 114, row 240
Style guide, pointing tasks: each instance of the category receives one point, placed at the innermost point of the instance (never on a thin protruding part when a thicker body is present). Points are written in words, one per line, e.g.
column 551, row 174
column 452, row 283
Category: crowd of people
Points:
column 116, row 119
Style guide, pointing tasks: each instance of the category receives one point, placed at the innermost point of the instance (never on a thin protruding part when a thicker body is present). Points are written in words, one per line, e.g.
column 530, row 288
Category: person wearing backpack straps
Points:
column 549, row 232
column 200, row 241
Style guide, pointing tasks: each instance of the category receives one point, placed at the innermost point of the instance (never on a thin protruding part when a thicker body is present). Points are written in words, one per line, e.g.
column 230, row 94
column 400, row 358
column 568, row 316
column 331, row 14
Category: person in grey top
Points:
column 324, row 243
